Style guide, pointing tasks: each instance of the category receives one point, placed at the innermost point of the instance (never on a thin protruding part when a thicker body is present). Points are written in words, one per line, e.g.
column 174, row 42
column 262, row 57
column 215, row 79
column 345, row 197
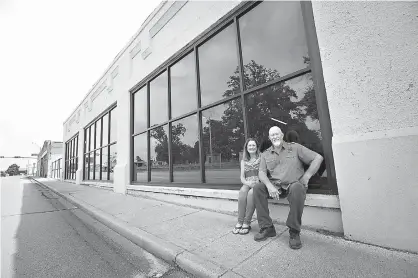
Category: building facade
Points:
column 169, row 117
column 48, row 158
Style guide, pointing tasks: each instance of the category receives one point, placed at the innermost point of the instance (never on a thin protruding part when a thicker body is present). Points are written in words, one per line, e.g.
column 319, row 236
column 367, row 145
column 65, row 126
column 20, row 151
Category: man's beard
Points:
column 277, row 143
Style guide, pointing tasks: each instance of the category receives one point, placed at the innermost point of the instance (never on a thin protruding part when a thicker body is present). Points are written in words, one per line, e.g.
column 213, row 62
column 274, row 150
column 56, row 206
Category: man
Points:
column 284, row 161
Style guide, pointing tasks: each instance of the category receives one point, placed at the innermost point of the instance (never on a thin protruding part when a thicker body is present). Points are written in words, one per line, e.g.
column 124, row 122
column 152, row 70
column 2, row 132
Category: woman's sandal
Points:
column 245, row 230
column 237, row 229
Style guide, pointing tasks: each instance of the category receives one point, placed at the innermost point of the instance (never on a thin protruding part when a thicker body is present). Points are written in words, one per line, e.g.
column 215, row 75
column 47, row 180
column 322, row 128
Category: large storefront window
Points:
column 252, row 74
column 71, row 158
column 100, row 148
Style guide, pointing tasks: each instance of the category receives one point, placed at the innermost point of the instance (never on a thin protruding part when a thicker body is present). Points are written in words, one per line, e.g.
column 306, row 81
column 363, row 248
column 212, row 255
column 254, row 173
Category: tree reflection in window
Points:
column 140, row 158
column 292, row 102
column 185, row 150
column 159, row 154
column 223, row 139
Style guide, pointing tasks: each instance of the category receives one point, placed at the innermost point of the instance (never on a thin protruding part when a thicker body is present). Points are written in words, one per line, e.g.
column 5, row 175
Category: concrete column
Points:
column 121, row 177
column 80, row 155
column 368, row 52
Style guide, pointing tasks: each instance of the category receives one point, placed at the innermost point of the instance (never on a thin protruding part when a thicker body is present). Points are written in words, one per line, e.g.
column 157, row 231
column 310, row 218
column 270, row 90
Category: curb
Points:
column 163, row 249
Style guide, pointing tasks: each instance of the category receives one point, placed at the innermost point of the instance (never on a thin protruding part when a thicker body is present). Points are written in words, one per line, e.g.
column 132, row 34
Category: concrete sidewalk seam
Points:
column 170, row 252
column 49, row 211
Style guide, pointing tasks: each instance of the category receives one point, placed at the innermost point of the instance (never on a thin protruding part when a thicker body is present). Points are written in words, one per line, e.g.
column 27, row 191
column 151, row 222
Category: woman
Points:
column 249, row 177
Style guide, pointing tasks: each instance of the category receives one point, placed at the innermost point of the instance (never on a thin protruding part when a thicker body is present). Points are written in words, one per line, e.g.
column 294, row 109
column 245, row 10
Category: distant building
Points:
column 49, row 160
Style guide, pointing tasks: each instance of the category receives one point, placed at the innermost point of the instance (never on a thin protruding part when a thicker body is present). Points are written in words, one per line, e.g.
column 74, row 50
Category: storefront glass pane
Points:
column 98, row 133
column 97, row 166
column 76, row 147
column 159, row 154
column 140, row 110
column 113, row 126
column 86, row 167
column 140, row 158
column 218, row 67
column 71, row 149
column 273, row 41
column 159, row 99
column 74, row 169
column 85, row 141
column 223, row 140
column 183, row 86
column 292, row 102
column 185, row 150
column 91, row 163
column 105, row 139
column 105, row 163
column 91, row 135
column 113, row 160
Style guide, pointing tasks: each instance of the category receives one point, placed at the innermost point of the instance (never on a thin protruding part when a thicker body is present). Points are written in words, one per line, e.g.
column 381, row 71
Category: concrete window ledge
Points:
column 312, row 200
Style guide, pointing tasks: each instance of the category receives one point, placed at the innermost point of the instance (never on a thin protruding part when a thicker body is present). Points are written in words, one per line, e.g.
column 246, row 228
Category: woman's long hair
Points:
column 246, row 154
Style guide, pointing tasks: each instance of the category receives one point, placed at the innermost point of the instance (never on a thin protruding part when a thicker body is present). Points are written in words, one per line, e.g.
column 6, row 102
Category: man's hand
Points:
column 304, row 180
column 273, row 192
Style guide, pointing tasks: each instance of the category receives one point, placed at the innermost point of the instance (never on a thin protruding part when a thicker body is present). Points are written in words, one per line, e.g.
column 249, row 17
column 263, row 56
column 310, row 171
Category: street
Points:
column 43, row 236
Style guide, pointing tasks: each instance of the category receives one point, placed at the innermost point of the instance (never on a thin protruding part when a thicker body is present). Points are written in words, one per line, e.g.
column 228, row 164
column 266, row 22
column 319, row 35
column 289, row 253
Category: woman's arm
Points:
column 243, row 181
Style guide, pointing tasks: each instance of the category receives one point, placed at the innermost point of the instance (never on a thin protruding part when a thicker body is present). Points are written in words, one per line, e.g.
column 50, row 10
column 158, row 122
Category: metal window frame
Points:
column 88, row 149
column 70, row 153
column 315, row 68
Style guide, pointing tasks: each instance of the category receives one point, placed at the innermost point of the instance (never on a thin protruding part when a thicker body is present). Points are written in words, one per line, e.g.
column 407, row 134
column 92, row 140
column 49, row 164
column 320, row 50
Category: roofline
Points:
column 127, row 45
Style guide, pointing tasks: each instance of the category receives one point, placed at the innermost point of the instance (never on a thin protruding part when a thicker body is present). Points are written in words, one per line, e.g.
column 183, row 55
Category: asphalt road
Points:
column 43, row 236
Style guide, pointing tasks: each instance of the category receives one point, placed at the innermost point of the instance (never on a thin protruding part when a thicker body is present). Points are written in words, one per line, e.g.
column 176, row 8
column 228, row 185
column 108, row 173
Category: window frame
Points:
column 315, row 68
column 71, row 152
column 92, row 149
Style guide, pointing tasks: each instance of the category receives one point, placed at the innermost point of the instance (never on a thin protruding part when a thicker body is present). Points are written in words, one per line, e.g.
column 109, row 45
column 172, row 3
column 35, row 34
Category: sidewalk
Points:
column 201, row 242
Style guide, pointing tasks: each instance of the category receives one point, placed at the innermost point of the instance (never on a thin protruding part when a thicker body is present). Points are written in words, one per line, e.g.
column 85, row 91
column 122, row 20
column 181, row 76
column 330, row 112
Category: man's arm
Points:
column 313, row 168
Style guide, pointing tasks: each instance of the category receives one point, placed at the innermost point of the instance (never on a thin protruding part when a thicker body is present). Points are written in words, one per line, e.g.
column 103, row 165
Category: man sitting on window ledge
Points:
column 284, row 162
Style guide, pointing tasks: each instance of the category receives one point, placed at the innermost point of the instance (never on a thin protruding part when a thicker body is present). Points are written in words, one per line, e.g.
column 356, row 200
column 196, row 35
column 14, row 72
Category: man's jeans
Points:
column 296, row 198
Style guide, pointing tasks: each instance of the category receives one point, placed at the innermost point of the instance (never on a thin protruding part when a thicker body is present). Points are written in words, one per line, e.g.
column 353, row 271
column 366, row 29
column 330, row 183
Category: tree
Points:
column 13, row 170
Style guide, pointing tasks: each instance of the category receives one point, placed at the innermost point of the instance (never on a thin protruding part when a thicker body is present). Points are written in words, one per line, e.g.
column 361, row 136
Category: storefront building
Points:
column 170, row 116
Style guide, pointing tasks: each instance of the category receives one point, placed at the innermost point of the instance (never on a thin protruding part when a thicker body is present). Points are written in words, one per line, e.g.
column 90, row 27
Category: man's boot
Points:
column 294, row 240
column 265, row 233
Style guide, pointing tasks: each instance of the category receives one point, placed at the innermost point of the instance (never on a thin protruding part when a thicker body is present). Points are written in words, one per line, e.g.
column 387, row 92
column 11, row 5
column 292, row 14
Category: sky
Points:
column 51, row 54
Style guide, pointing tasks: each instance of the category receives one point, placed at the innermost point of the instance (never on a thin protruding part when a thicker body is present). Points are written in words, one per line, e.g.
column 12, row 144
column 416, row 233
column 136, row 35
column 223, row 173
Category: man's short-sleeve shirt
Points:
column 286, row 166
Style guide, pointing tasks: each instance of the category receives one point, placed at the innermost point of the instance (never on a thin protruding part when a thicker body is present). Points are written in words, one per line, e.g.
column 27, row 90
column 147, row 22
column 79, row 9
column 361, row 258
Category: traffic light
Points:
column 1, row 156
